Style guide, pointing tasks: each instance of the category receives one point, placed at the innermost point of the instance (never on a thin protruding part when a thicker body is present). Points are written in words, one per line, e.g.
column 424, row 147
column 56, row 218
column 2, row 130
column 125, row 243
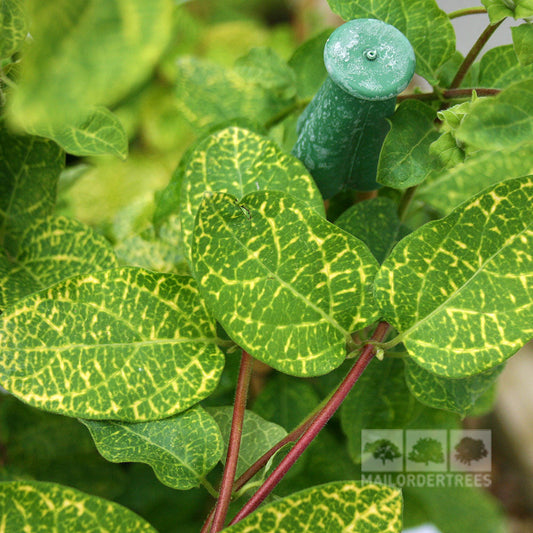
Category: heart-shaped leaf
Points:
column 286, row 285
column 238, row 161
column 124, row 344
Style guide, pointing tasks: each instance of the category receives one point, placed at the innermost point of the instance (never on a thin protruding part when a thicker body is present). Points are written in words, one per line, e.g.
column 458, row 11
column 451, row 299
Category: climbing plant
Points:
column 169, row 361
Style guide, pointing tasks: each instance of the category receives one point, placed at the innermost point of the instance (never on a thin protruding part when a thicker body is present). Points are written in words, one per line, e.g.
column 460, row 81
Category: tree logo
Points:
column 383, row 450
column 469, row 449
column 427, row 450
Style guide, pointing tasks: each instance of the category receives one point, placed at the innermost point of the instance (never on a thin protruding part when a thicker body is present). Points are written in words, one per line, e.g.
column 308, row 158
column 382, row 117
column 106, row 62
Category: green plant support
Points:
column 341, row 131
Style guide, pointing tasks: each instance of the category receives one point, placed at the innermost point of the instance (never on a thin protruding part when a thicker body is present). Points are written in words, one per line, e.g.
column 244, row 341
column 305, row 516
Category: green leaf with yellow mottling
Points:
column 417, row 20
column 449, row 188
column 336, row 507
column 181, row 449
column 86, row 53
column 500, row 9
column 455, row 395
column 238, row 161
column 98, row 133
column 29, row 171
column 459, row 290
column 258, row 435
column 50, row 250
column 210, row 94
column 502, row 122
column 123, row 344
column 39, row 507
column 12, row 26
column 286, row 285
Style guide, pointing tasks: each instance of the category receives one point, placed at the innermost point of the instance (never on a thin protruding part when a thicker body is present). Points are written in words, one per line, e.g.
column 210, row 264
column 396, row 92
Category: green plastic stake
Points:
column 341, row 131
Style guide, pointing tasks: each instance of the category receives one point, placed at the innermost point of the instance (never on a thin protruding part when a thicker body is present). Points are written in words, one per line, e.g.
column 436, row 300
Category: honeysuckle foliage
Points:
column 334, row 507
column 124, row 315
column 40, row 507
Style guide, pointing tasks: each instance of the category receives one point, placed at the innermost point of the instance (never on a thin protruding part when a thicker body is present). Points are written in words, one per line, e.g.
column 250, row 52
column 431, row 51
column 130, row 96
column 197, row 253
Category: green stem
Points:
column 316, row 425
column 284, row 113
column 449, row 94
column 466, row 11
column 232, row 457
column 405, row 202
column 474, row 52
column 207, row 486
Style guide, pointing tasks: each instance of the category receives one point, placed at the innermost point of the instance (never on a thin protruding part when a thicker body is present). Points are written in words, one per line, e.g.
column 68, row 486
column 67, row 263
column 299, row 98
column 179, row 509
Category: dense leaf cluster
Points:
column 129, row 313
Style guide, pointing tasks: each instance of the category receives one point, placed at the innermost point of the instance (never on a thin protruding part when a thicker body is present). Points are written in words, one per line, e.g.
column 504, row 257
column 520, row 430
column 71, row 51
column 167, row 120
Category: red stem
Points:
column 474, row 52
column 232, row 457
column 293, row 436
column 316, row 425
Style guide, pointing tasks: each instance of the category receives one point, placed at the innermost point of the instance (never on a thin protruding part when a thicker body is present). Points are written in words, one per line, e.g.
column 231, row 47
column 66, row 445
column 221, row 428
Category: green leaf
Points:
column 448, row 189
column 158, row 250
column 376, row 223
column 181, row 449
column 523, row 43
column 258, row 435
column 308, row 65
column 333, row 507
column 46, row 507
column 238, row 162
column 380, row 400
column 98, row 133
column 464, row 504
column 500, row 9
column 286, row 401
column 265, row 68
column 499, row 68
column 455, row 395
column 417, row 20
column 87, row 53
column 286, row 285
column 210, row 94
column 459, row 289
column 146, row 341
column 48, row 447
column 12, row 26
column 29, row 171
column 501, row 122
column 49, row 251
column 405, row 160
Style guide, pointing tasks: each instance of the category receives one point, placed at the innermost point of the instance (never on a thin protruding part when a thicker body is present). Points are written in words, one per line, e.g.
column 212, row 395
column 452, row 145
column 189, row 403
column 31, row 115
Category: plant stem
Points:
column 449, row 94
column 293, row 436
column 284, row 113
column 405, row 202
column 466, row 11
column 316, row 425
column 226, row 485
column 474, row 52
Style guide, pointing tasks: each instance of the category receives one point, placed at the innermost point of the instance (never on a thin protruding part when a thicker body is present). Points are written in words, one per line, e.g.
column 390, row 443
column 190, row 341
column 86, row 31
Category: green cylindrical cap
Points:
column 369, row 59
